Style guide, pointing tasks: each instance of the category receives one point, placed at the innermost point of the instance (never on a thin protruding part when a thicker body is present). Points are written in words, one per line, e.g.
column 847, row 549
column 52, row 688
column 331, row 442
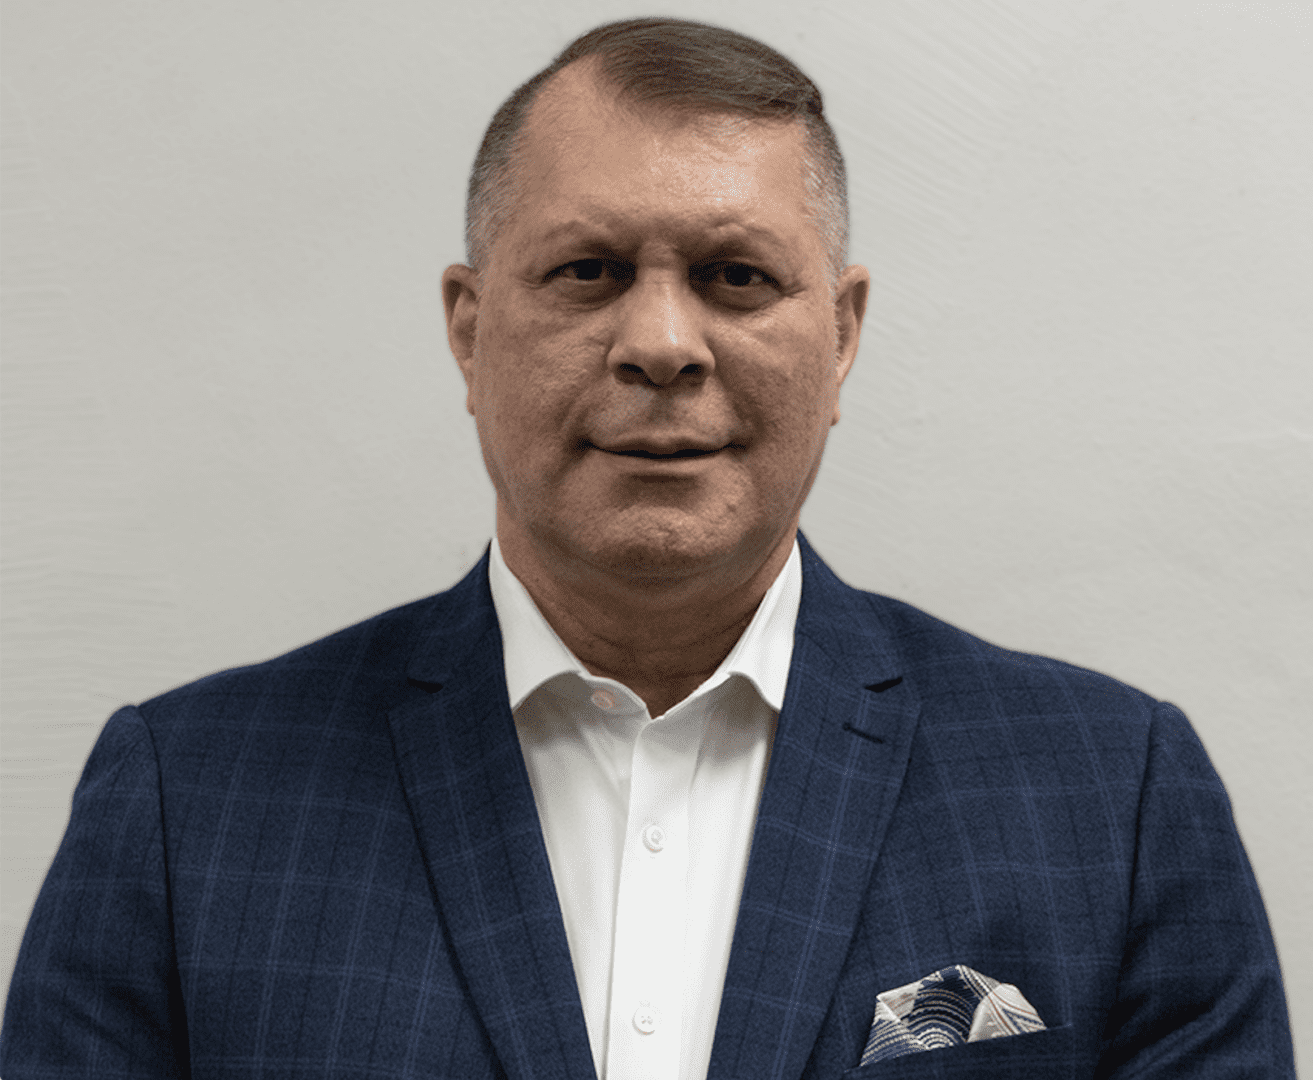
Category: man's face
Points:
column 654, row 351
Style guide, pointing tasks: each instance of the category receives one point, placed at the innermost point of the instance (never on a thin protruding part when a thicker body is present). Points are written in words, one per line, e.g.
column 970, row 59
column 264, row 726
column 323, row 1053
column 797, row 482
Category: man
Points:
column 650, row 792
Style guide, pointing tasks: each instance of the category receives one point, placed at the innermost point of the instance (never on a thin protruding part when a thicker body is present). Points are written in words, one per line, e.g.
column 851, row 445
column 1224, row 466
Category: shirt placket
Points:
column 647, row 970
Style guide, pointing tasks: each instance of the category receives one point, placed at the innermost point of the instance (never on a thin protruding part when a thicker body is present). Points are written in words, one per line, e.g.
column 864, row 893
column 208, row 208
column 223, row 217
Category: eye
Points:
column 741, row 276
column 583, row 270
column 735, row 285
column 592, row 271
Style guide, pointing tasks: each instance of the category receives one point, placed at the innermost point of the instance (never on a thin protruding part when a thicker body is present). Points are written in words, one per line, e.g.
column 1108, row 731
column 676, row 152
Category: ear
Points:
column 460, row 300
column 850, row 294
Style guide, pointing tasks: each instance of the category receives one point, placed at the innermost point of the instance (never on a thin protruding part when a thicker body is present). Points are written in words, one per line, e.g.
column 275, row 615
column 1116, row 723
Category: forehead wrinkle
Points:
column 673, row 168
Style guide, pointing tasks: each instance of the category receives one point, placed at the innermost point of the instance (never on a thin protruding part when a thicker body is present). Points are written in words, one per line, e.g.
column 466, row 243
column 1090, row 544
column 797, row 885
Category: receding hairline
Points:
column 587, row 74
column 600, row 72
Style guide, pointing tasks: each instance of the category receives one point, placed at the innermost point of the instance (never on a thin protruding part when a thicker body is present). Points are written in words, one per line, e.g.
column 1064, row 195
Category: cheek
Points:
column 528, row 352
column 531, row 400
column 789, row 382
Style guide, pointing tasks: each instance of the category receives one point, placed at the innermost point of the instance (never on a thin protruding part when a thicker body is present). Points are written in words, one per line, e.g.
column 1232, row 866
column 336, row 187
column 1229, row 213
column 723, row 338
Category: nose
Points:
column 660, row 338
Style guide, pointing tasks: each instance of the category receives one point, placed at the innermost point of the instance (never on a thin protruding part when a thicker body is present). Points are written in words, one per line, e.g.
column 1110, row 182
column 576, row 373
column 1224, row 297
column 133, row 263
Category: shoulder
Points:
column 1062, row 719
column 944, row 659
column 375, row 645
column 994, row 720
column 361, row 669
column 969, row 684
column 948, row 661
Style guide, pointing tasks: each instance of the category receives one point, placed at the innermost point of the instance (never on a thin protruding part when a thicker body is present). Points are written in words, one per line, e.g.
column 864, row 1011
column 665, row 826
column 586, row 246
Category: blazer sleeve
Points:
column 95, row 991
column 1200, row 993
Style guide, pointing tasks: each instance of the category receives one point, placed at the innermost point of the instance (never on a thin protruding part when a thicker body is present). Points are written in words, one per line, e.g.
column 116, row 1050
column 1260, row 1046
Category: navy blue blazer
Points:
column 330, row 865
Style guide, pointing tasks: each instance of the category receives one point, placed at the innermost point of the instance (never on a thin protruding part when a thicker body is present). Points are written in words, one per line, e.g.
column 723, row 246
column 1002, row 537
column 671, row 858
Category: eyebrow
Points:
column 604, row 233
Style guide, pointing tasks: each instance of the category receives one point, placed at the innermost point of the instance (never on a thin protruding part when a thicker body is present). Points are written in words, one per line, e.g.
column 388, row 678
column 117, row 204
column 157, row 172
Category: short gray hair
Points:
column 679, row 65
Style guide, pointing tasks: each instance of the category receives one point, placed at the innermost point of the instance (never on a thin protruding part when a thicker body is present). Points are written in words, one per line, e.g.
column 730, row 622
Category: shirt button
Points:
column 646, row 1017
column 603, row 700
column 654, row 837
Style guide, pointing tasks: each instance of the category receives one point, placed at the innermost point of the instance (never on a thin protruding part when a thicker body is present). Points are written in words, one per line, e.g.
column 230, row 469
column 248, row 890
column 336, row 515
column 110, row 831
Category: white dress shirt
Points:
column 648, row 823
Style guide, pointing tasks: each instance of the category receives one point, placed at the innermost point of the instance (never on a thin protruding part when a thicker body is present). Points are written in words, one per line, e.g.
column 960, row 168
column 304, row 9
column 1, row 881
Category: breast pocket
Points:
column 1041, row 1055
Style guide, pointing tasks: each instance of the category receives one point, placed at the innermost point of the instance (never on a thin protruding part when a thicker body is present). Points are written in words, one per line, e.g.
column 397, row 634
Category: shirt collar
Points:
column 533, row 653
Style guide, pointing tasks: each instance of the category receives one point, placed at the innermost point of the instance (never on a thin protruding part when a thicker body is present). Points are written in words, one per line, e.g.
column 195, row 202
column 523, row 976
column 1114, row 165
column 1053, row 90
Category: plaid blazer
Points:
column 330, row 865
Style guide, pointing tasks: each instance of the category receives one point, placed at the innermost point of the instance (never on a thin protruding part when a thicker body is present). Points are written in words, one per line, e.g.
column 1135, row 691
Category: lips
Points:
column 661, row 449
column 690, row 452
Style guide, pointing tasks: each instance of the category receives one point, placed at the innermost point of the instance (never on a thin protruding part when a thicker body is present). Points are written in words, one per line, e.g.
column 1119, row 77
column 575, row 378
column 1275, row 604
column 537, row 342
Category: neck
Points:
column 662, row 637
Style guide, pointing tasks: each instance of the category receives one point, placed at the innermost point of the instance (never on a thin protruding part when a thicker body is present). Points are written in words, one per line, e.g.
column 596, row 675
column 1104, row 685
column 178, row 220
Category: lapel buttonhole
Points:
column 864, row 734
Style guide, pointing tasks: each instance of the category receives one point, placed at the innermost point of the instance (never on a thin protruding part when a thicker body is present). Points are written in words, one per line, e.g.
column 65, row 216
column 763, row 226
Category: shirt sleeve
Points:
column 1200, row 992
column 95, row 991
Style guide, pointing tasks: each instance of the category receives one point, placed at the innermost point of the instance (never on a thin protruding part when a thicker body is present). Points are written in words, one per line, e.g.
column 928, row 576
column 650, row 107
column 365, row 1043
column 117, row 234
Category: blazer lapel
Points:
column 477, row 825
column 837, row 765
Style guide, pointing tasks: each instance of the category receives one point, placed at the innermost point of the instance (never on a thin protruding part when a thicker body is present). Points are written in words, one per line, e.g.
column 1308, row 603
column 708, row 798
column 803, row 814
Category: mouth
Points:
column 660, row 449
column 673, row 455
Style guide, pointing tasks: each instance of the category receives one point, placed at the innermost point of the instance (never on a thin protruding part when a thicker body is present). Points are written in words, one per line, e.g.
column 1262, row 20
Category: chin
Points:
column 659, row 547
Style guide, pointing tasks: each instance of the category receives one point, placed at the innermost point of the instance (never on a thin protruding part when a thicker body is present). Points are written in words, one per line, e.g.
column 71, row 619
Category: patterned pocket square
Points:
column 947, row 1008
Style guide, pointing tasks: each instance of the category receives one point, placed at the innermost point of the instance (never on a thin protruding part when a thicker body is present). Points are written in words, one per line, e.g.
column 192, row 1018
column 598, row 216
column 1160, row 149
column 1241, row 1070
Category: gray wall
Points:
column 1079, row 424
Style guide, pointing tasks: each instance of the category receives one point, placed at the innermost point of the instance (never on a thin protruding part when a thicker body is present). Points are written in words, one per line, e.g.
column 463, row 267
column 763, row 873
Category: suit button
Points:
column 603, row 700
column 654, row 837
column 646, row 1017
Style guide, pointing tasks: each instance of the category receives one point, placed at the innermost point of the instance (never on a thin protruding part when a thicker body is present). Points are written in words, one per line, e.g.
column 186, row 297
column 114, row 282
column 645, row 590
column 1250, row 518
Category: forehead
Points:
column 586, row 153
